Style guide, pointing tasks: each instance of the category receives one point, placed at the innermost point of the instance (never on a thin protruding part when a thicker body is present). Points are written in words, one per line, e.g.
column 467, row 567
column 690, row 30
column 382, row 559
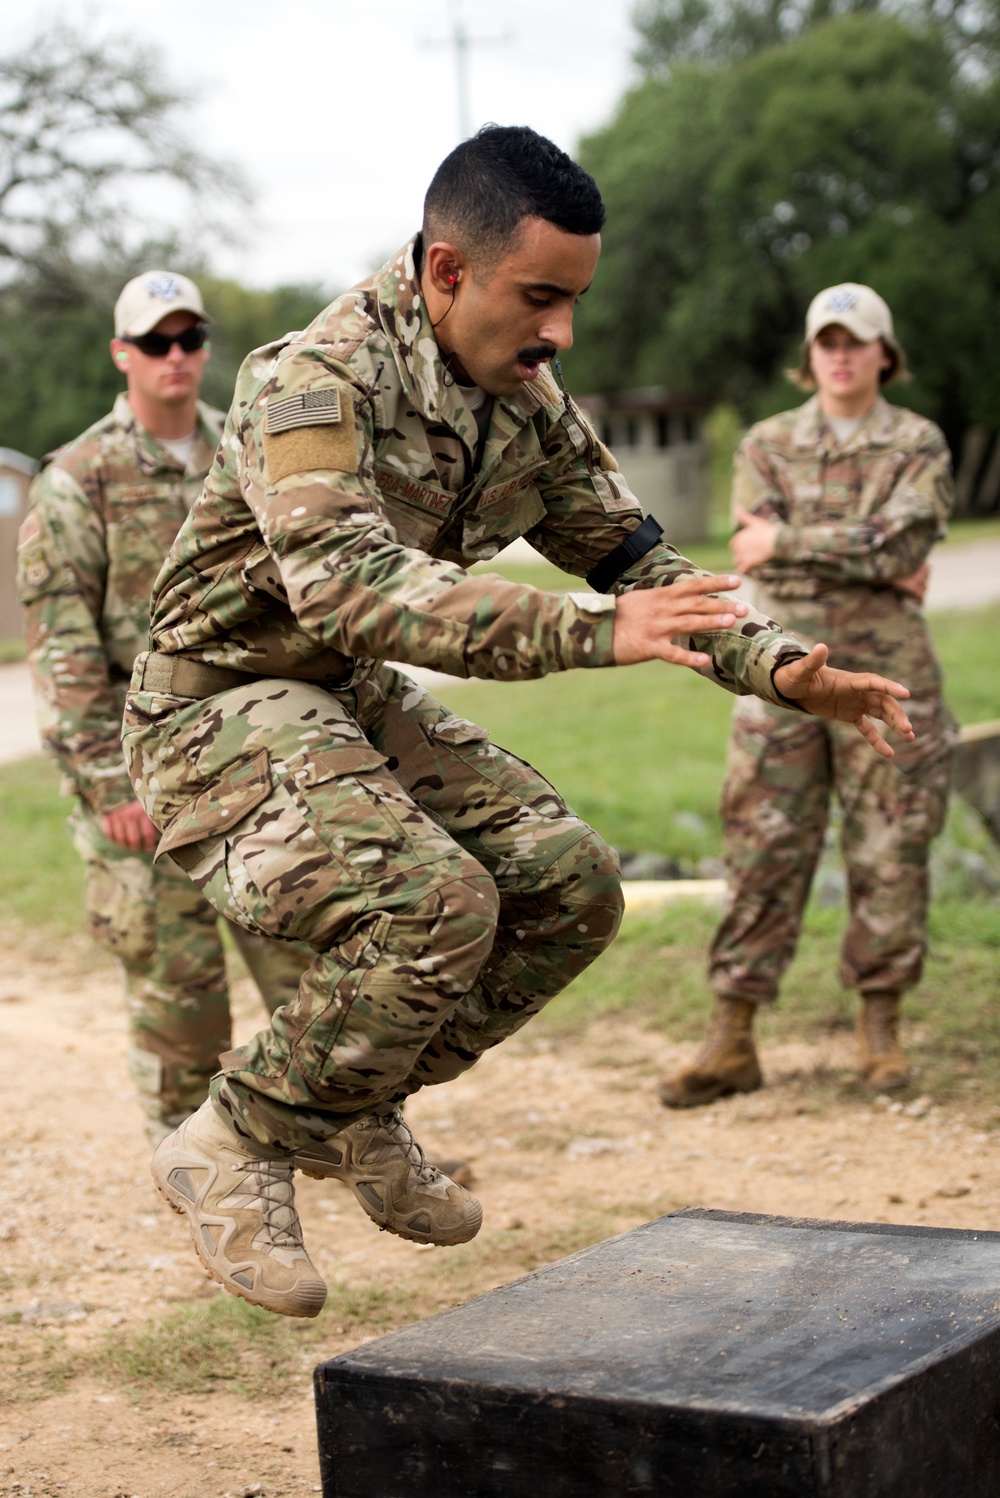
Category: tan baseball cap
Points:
column 154, row 295
column 854, row 307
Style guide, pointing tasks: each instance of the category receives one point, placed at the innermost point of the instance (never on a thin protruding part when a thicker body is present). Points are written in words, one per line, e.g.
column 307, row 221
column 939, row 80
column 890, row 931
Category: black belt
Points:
column 635, row 546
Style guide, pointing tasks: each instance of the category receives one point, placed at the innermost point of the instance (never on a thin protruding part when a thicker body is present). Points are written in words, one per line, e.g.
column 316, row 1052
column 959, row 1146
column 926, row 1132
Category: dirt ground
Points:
column 569, row 1146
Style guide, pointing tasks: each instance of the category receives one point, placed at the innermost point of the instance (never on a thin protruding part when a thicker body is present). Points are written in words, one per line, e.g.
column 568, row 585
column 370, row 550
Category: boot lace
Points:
column 270, row 1183
column 401, row 1136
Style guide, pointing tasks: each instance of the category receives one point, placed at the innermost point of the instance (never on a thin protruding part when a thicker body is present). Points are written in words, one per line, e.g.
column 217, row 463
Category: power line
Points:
column 463, row 41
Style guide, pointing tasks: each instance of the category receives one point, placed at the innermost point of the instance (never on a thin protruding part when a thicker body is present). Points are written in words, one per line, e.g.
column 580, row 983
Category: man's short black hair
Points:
column 500, row 175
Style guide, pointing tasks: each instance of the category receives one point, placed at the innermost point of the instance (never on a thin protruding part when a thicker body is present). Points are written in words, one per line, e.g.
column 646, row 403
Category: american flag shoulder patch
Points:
column 311, row 408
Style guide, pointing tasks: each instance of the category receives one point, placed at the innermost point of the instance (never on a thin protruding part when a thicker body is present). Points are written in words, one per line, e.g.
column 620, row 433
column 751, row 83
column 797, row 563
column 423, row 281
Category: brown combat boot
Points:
column 726, row 1063
column 883, row 1061
column 240, row 1206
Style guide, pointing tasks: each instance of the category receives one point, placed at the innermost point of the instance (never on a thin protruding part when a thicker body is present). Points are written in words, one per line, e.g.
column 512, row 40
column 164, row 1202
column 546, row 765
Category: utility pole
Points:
column 462, row 40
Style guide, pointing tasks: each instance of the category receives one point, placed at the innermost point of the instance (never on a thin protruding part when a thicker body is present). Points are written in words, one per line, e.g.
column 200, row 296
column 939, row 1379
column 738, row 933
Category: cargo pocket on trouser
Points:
column 196, row 837
column 120, row 907
column 400, row 917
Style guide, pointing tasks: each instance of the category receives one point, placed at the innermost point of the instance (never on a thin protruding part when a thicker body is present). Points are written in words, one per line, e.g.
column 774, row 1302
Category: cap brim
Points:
column 153, row 315
column 867, row 332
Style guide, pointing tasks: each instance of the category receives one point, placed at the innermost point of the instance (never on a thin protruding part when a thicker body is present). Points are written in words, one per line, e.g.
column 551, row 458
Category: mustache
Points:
column 537, row 353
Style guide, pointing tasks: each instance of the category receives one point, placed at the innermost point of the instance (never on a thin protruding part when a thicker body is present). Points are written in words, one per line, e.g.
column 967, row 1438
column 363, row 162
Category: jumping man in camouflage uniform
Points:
column 446, row 889
column 839, row 503
column 104, row 511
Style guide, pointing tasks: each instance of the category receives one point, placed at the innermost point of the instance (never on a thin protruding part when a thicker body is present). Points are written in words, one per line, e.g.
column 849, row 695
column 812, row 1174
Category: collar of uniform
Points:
column 429, row 387
column 207, row 434
column 150, row 456
column 873, row 430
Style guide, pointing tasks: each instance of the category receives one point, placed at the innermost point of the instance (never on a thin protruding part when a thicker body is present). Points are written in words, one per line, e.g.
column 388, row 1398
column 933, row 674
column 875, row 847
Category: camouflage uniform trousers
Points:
column 167, row 940
column 781, row 770
column 447, row 891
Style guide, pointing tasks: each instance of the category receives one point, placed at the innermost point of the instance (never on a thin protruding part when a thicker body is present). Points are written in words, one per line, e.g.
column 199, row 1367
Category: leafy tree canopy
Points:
column 82, row 121
column 673, row 31
column 862, row 150
column 56, row 323
column 79, row 120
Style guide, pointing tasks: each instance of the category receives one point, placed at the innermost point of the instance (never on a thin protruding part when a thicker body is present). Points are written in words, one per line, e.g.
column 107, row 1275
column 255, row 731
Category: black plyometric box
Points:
column 706, row 1353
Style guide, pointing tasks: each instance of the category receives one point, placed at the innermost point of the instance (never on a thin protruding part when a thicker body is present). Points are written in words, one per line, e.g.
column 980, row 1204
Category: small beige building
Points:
column 16, row 473
column 658, row 439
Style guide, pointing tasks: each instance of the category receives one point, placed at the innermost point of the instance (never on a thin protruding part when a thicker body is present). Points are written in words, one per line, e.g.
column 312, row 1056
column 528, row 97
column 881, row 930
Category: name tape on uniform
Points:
column 311, row 408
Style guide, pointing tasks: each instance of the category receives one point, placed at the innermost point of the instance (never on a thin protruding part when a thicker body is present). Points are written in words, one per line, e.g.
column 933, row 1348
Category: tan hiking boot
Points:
column 241, row 1212
column 726, row 1063
column 385, row 1167
column 883, row 1061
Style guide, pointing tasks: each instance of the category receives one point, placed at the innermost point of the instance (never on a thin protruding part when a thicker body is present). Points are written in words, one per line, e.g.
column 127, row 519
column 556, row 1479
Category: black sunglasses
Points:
column 158, row 345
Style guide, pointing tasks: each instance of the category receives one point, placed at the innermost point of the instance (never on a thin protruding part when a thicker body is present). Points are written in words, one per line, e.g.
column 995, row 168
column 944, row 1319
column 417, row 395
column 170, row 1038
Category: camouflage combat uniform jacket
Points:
column 104, row 511
column 352, row 489
column 852, row 516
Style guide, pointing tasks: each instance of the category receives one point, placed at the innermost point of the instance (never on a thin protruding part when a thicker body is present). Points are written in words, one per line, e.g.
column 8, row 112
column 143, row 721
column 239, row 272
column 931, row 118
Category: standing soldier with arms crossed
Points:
column 104, row 511
column 839, row 503
column 310, row 791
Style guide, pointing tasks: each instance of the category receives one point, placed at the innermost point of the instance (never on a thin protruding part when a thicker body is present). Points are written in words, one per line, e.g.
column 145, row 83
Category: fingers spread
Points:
column 868, row 731
column 867, row 681
column 891, row 713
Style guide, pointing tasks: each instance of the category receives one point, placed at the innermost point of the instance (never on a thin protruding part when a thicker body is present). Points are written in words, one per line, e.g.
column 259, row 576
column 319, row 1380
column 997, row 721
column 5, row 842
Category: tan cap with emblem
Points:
column 854, row 307
column 152, row 296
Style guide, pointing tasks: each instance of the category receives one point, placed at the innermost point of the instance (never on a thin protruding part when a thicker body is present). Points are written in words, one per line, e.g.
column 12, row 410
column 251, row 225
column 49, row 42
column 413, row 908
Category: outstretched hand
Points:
column 648, row 619
column 847, row 696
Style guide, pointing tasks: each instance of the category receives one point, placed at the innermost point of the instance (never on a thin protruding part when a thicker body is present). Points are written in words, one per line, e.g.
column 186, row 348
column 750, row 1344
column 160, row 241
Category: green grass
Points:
column 201, row 1347
column 41, row 877
column 655, row 975
column 973, row 528
column 965, row 641
column 225, row 1342
column 632, row 751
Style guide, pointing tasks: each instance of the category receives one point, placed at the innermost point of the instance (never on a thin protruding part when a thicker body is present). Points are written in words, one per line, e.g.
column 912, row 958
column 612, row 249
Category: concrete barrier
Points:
column 705, row 1353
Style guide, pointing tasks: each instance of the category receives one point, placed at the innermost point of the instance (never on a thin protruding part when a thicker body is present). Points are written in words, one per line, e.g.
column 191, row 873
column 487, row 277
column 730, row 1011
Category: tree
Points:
column 82, row 122
column 79, row 120
column 56, row 321
column 673, row 31
column 865, row 150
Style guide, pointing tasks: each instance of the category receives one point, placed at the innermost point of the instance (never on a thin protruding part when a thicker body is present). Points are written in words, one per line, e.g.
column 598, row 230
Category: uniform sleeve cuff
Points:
column 587, row 629
column 787, row 543
column 105, row 796
column 767, row 658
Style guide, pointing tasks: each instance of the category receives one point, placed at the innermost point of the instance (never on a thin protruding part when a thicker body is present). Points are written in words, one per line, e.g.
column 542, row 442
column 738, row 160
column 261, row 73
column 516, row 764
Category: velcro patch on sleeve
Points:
column 35, row 564
column 310, row 408
column 306, row 449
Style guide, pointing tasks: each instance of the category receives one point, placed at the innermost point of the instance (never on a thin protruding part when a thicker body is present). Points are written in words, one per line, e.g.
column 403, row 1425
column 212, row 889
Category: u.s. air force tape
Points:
column 311, row 408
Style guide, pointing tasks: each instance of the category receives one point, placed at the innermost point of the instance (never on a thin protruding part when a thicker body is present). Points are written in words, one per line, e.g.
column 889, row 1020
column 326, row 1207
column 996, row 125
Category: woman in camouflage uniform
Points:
column 839, row 503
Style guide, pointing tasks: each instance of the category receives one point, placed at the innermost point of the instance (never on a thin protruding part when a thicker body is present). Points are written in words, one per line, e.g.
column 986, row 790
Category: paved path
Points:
column 18, row 732
column 966, row 575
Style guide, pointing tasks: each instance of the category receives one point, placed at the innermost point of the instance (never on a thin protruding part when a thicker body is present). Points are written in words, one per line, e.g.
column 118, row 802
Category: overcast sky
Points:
column 338, row 111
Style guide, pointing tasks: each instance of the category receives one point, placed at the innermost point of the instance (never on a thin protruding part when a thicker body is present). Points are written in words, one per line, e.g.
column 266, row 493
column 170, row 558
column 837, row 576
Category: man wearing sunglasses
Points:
column 104, row 512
